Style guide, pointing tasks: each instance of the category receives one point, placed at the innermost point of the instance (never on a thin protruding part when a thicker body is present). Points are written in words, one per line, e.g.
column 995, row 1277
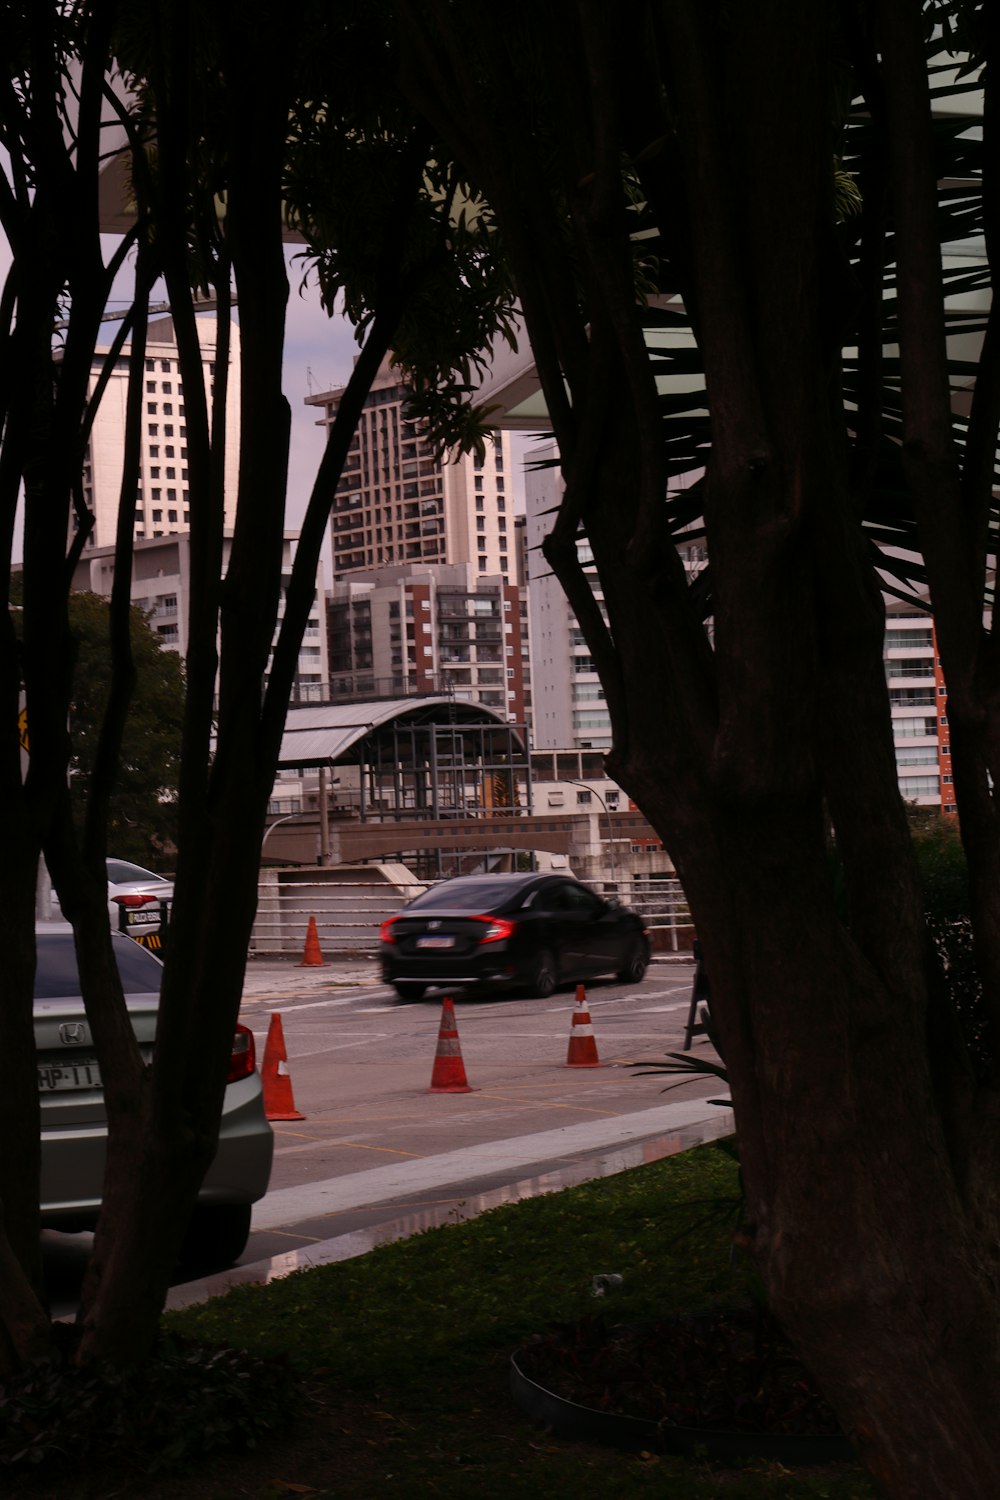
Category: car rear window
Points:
column 120, row 871
column 461, row 895
column 56, row 973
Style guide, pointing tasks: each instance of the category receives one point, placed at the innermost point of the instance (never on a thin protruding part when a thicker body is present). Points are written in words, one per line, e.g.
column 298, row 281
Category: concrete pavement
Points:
column 336, row 1218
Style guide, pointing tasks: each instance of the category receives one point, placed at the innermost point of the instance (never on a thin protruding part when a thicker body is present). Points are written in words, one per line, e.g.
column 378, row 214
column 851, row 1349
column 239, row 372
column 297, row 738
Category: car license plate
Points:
column 141, row 917
column 435, row 942
column 81, row 1074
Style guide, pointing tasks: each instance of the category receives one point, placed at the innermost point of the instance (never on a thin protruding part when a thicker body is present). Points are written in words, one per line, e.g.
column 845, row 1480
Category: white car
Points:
column 138, row 902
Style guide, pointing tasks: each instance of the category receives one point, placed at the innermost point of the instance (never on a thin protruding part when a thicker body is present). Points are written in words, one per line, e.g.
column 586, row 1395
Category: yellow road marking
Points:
column 300, row 1135
column 550, row 1104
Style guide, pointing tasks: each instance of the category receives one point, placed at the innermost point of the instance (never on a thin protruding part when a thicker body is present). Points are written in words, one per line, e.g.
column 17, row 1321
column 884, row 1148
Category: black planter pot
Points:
column 613, row 1430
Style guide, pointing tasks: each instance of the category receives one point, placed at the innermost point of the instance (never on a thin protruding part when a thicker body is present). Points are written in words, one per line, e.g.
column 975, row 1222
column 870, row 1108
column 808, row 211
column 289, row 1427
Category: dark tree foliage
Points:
column 143, row 806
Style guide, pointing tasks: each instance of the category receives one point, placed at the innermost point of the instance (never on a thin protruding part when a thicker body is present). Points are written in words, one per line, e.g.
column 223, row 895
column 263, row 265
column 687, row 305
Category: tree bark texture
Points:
column 862, row 1130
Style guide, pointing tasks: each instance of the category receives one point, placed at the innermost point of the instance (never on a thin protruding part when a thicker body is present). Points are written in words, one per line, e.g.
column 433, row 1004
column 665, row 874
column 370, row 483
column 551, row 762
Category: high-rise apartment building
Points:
column 443, row 628
column 162, row 499
column 569, row 709
column 399, row 501
column 161, row 581
column 919, row 704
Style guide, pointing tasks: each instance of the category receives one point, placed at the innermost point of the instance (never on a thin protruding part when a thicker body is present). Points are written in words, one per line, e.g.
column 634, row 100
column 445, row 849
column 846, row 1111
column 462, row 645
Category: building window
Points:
column 151, row 408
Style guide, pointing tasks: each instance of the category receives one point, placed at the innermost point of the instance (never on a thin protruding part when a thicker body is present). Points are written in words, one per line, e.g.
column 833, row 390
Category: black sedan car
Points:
column 530, row 931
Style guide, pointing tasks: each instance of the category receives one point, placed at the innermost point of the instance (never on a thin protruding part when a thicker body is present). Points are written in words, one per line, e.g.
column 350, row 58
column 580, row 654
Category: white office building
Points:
column 162, row 498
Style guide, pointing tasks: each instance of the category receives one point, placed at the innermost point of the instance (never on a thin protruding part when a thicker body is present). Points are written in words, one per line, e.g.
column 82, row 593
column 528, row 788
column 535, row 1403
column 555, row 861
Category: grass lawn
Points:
column 403, row 1355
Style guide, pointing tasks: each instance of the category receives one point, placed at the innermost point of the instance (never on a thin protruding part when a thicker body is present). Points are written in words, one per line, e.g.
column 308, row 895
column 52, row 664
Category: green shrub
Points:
column 188, row 1400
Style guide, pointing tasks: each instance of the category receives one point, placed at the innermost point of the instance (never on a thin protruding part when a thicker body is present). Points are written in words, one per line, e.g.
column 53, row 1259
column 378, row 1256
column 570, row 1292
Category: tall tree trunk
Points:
column 871, row 1211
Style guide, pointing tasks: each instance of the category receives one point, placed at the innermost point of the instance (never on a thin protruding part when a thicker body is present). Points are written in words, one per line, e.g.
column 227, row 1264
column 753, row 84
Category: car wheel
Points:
column 542, row 981
column 636, row 963
column 216, row 1236
column 407, row 992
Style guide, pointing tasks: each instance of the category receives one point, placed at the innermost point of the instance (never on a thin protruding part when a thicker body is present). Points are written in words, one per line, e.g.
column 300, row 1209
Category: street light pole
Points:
column 611, row 843
column 272, row 826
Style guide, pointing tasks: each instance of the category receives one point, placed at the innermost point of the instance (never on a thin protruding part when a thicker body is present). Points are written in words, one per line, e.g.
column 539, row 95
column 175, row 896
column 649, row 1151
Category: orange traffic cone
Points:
column 278, row 1101
column 582, row 1047
column 448, row 1076
column 312, row 958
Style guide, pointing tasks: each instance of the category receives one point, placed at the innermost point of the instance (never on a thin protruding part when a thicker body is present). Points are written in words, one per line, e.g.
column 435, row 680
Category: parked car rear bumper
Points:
column 73, row 1162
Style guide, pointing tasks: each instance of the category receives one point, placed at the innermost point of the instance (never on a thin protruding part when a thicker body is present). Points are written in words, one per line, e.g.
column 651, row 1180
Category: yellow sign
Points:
column 22, row 727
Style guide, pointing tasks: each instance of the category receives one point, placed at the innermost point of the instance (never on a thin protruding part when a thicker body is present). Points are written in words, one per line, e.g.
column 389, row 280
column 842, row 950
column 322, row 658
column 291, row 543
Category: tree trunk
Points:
column 870, row 1256
column 871, row 1209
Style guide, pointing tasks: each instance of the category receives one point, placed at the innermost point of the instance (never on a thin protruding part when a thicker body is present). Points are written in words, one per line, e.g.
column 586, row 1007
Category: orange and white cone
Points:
column 278, row 1101
column 448, row 1075
column 582, row 1046
column 312, row 956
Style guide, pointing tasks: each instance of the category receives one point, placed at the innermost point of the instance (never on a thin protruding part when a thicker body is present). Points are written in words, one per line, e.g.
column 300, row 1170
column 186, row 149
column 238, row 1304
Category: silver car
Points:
column 139, row 902
column 73, row 1120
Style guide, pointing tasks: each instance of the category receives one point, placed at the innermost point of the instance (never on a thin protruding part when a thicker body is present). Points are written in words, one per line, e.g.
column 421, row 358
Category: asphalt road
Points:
column 377, row 1154
column 360, row 1066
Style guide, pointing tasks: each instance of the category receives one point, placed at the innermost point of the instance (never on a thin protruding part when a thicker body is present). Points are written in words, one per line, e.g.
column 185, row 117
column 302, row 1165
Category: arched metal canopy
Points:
column 326, row 734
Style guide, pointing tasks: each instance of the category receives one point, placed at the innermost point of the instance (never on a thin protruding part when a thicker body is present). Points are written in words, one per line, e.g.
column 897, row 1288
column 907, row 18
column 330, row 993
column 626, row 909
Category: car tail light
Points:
column 136, row 900
column 497, row 929
column 385, row 932
column 243, row 1059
